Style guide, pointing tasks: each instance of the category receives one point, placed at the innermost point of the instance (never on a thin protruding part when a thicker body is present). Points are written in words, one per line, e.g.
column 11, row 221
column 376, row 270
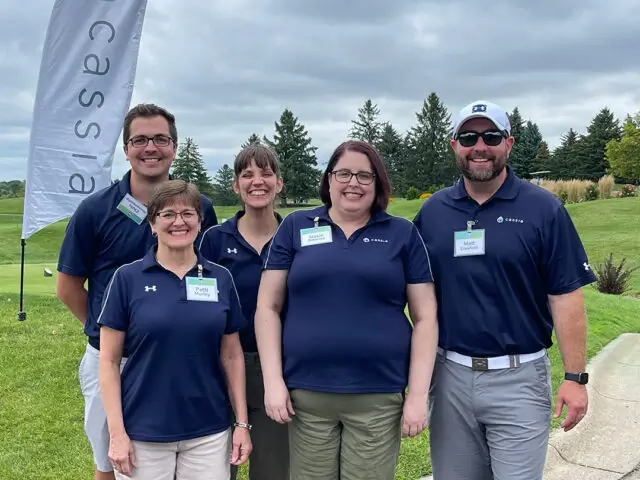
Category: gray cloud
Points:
column 228, row 68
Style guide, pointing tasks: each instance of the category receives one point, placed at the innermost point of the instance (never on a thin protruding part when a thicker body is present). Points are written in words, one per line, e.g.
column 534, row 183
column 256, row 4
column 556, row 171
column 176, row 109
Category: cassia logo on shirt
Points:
column 509, row 220
column 379, row 240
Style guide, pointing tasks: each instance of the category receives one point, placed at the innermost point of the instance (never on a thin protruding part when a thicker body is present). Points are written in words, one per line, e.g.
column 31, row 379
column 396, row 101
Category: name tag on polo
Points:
column 133, row 209
column 202, row 289
column 315, row 236
column 468, row 243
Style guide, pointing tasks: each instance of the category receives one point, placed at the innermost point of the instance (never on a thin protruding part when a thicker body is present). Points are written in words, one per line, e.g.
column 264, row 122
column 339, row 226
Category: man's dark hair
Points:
column 146, row 110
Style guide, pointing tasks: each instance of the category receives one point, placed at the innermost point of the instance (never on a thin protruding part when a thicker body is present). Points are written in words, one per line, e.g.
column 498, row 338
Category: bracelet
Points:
column 242, row 425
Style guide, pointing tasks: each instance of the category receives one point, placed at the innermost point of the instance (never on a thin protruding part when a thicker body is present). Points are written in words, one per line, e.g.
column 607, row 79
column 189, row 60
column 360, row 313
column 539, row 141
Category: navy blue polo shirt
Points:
column 99, row 238
column 344, row 324
column 173, row 384
column 223, row 244
column 496, row 304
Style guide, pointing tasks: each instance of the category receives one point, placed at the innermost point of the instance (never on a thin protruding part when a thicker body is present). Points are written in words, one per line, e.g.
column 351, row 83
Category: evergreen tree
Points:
column 292, row 145
column 190, row 167
column 519, row 158
column 542, row 161
column 532, row 141
column 367, row 127
column 592, row 161
column 223, row 193
column 564, row 161
column 391, row 148
column 253, row 138
column 623, row 155
column 430, row 160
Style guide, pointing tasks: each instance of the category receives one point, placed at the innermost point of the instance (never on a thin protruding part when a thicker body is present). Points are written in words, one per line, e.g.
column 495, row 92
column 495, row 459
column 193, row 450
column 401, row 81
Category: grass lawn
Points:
column 40, row 403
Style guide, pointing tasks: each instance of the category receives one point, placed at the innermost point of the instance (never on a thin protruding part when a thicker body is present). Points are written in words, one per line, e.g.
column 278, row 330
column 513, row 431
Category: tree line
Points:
column 420, row 159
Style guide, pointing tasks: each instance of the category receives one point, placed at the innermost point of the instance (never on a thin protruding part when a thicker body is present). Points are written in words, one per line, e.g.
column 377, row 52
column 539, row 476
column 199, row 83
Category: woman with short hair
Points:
column 177, row 315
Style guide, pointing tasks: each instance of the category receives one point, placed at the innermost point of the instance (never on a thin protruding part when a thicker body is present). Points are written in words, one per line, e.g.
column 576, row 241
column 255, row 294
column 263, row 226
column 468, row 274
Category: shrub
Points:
column 434, row 188
column 613, row 279
column 591, row 193
column 563, row 195
column 412, row 193
column 605, row 186
column 628, row 191
column 424, row 196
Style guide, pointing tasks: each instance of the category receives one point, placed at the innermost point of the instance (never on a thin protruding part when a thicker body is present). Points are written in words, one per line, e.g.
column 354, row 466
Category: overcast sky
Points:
column 228, row 68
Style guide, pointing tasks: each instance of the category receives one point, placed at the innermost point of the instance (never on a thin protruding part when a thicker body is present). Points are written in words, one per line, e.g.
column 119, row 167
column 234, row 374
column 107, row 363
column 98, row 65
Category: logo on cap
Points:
column 479, row 108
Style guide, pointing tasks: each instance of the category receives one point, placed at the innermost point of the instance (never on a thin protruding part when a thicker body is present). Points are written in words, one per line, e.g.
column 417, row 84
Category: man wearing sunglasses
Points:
column 508, row 267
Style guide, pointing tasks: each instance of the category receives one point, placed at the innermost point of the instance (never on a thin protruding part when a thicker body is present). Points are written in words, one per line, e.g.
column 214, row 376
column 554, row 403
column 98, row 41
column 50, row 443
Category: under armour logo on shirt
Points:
column 586, row 266
column 479, row 108
column 151, row 288
column 232, row 250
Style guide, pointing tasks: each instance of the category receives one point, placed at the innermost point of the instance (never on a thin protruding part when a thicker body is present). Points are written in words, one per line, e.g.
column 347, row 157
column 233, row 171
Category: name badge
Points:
column 468, row 243
column 202, row 289
column 315, row 236
column 133, row 209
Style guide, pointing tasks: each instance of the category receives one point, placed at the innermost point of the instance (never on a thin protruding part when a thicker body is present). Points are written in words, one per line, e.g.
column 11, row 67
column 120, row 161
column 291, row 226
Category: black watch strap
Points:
column 582, row 378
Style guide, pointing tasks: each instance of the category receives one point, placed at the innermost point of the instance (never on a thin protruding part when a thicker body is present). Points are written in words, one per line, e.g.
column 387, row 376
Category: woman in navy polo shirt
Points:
column 177, row 315
column 241, row 244
column 336, row 347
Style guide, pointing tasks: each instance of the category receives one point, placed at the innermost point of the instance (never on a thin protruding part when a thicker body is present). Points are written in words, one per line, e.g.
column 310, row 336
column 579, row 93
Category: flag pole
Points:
column 22, row 315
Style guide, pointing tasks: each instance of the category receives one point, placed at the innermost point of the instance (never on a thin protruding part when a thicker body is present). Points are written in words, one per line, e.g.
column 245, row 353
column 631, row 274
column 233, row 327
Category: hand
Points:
column 121, row 454
column 277, row 402
column 414, row 415
column 575, row 397
column 242, row 446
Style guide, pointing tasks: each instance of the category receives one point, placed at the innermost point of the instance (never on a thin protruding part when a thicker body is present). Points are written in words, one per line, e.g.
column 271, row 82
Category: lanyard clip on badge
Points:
column 315, row 222
column 200, row 272
column 470, row 224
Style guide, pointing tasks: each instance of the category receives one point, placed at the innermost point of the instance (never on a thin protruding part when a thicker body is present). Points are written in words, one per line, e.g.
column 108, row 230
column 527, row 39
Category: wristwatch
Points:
column 243, row 425
column 582, row 378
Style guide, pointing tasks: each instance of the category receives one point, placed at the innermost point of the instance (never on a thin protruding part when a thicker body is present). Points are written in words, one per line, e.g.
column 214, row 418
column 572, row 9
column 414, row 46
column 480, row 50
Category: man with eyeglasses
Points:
column 509, row 267
column 109, row 229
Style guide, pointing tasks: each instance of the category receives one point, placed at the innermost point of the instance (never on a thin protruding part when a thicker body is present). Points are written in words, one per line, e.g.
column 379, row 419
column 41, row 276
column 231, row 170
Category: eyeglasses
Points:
column 143, row 141
column 345, row 176
column 170, row 216
column 492, row 138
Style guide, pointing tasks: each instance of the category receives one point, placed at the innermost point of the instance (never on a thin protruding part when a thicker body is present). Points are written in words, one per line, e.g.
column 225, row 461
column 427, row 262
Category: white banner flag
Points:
column 84, row 91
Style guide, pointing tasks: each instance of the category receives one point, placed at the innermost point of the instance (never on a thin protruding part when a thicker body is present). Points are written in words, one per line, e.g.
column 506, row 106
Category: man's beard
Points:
column 498, row 164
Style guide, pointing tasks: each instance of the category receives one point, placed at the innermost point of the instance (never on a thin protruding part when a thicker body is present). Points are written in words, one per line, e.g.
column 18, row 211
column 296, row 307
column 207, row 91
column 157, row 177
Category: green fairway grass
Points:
column 41, row 409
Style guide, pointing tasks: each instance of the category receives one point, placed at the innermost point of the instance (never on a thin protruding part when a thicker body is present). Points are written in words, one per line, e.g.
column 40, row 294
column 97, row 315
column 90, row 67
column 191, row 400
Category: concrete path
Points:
column 606, row 444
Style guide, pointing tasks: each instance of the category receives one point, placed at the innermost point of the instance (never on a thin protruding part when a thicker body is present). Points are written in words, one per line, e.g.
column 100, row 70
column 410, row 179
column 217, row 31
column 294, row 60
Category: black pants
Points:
column 269, row 459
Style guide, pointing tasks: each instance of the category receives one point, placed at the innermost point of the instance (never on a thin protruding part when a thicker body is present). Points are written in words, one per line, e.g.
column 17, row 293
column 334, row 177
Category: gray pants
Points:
column 269, row 459
column 492, row 424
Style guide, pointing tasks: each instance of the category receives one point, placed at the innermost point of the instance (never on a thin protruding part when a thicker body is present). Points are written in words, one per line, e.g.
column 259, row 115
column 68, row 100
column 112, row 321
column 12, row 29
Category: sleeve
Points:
column 207, row 246
column 236, row 320
column 78, row 249
column 115, row 303
column 565, row 266
column 282, row 247
column 416, row 262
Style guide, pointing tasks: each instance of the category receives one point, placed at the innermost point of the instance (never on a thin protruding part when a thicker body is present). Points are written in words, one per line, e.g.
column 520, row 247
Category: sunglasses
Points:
column 492, row 138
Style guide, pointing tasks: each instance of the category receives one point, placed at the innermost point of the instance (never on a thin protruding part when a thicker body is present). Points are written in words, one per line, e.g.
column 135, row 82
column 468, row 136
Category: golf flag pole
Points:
column 84, row 90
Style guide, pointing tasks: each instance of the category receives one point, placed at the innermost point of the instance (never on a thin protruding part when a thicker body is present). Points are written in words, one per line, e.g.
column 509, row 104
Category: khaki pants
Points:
column 345, row 436
column 204, row 458
column 269, row 459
